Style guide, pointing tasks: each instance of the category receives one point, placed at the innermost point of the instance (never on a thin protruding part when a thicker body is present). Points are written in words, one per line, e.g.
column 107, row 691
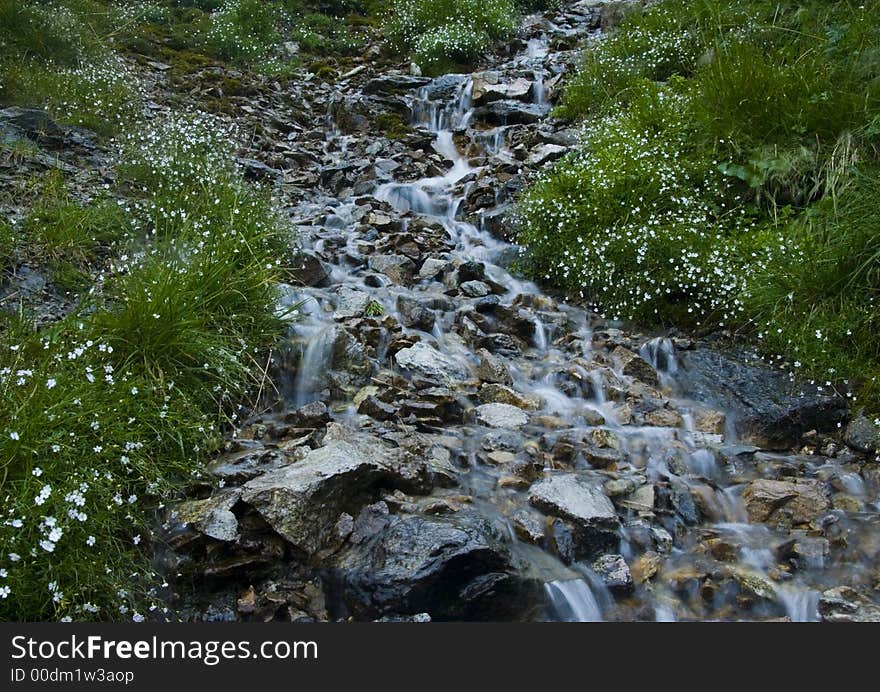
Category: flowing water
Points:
column 714, row 563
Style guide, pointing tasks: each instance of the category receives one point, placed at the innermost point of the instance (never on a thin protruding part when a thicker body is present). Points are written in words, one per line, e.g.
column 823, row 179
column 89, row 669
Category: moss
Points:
column 392, row 125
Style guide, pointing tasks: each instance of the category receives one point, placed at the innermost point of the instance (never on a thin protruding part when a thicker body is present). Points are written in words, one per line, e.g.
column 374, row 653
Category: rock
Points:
column 528, row 527
column 561, row 541
column 580, row 500
column 520, row 89
column 474, row 289
column 615, row 574
column 422, row 359
column 452, row 567
column 211, row 517
column 545, row 153
column 492, row 369
column 431, row 268
column 845, row 604
column 398, row 268
column 257, row 170
column 446, row 87
column 302, row 502
column 394, row 84
column 664, row 418
column 312, row 415
column 350, row 302
column 509, row 112
column 414, row 314
column 500, row 416
column 636, row 366
column 862, row 434
column 499, row 394
column 309, row 270
column 767, row 409
column 34, row 124
column 787, row 503
column 374, row 408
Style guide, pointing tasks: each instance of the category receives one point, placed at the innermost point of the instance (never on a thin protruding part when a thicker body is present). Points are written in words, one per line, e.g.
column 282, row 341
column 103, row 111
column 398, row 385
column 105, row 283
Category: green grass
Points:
column 447, row 34
column 724, row 178
column 109, row 412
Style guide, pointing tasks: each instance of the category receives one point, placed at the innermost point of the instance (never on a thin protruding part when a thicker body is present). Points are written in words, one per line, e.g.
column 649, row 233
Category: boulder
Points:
column 793, row 502
column 581, row 501
column 350, row 302
column 862, row 434
column 614, row 573
column 398, row 268
column 510, row 112
column 394, row 84
column 452, row 567
column 309, row 270
column 422, row 359
column 545, row 153
column 765, row 407
column 303, row 501
column 492, row 369
column 485, row 91
column 500, row 416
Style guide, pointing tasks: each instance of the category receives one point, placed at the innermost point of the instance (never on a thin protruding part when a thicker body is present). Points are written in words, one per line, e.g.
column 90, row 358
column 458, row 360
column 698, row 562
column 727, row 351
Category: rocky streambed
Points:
column 450, row 442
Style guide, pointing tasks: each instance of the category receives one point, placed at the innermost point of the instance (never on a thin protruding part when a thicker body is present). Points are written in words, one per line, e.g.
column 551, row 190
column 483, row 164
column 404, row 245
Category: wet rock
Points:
column 211, row 517
column 486, row 91
column 528, row 527
column 474, row 289
column 492, row 369
column 303, row 501
column 377, row 409
column 845, row 604
column 862, row 434
column 394, row 84
column 635, row 366
column 431, row 268
column 414, row 314
column 257, row 170
column 545, row 153
column 664, row 418
column 422, row 359
column 510, row 112
column 614, row 573
column 350, row 302
column 768, row 410
column 446, row 87
column 499, row 394
column 398, row 268
column 787, row 503
column 451, row 567
column 312, row 415
column 561, row 540
column 580, row 500
column 500, row 416
column 309, row 270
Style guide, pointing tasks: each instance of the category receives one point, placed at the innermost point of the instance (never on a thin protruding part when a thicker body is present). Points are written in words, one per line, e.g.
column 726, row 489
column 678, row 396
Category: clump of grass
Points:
column 445, row 33
column 113, row 408
column 243, row 30
column 740, row 195
column 8, row 245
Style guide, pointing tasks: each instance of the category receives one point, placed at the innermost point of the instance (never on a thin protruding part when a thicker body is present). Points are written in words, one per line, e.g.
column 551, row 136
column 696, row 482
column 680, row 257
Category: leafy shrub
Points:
column 444, row 32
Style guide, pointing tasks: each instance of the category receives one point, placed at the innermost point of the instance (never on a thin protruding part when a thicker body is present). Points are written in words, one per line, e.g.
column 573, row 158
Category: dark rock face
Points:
column 770, row 411
column 509, row 112
column 449, row 568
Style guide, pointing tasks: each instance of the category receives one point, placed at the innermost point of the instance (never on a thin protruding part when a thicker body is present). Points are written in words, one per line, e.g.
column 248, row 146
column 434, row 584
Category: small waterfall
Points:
column 573, row 601
column 660, row 353
column 314, row 364
column 540, row 335
column 801, row 605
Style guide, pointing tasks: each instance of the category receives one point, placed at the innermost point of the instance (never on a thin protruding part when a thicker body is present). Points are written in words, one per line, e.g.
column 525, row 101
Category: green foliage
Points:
column 817, row 296
column 7, row 246
column 104, row 414
column 71, row 238
column 243, row 30
column 445, row 33
column 740, row 191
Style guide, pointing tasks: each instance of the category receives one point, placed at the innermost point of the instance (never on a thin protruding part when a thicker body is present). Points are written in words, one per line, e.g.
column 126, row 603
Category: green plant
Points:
column 442, row 33
column 243, row 30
